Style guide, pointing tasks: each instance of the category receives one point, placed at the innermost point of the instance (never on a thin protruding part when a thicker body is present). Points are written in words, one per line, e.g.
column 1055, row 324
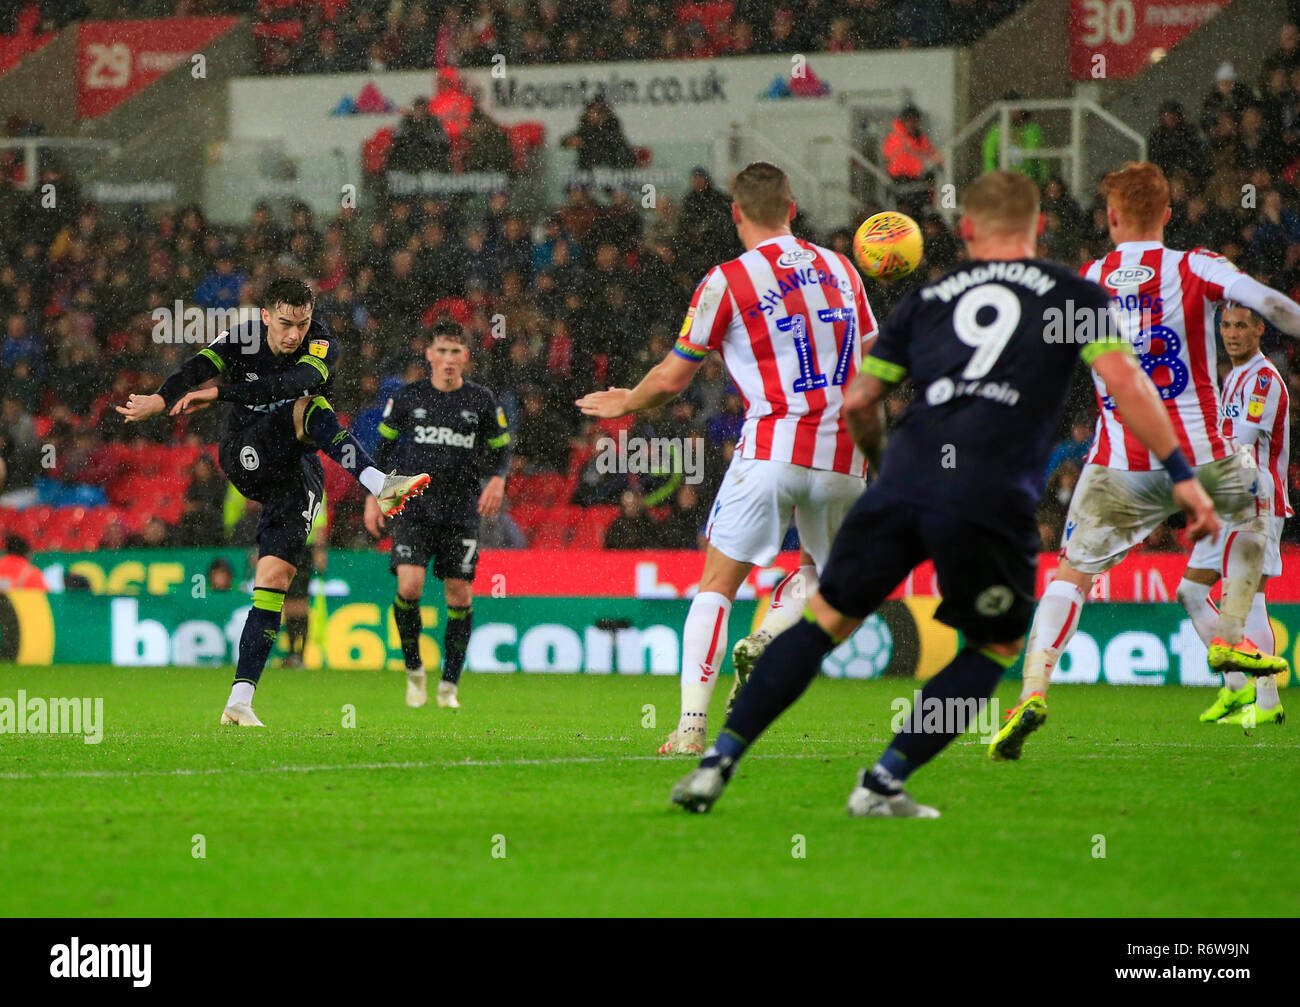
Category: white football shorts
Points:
column 1209, row 553
column 1113, row 510
column 757, row 496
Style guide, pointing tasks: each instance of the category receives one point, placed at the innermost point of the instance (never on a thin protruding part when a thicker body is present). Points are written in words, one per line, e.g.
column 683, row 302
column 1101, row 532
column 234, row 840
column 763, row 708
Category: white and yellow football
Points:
column 888, row 245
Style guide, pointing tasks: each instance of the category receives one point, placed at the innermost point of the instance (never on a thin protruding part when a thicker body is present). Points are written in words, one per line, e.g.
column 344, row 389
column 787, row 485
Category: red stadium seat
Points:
column 283, row 31
column 457, row 307
column 589, row 531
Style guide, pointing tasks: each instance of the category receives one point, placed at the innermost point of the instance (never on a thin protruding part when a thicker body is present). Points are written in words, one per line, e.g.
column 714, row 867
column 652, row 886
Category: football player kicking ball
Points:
column 1164, row 302
column 277, row 376
column 791, row 321
column 959, row 484
column 454, row 429
column 1255, row 414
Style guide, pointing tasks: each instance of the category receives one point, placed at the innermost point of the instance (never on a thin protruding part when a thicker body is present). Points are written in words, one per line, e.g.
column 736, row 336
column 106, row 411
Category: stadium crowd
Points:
column 588, row 293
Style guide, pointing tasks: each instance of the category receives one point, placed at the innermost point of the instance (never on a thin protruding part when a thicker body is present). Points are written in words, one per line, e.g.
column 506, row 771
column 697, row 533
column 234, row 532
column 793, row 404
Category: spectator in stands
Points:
column 487, row 144
column 451, row 104
column 201, row 522
column 599, row 139
column 1173, row 143
column 1074, row 448
column 154, row 535
column 1286, row 56
column 18, row 444
column 1277, row 230
column 633, row 528
column 221, row 578
column 221, row 287
column 910, row 159
column 17, row 571
column 20, row 344
column 684, row 527
column 419, row 142
column 1228, row 95
column 1257, row 147
column 706, row 234
column 542, row 440
column 1026, row 137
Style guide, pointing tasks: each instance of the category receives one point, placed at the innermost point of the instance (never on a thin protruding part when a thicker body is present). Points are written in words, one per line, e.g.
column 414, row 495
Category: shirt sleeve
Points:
column 494, row 429
column 1263, row 397
column 209, row 362
column 889, row 359
column 1218, row 274
column 392, row 425
column 707, row 318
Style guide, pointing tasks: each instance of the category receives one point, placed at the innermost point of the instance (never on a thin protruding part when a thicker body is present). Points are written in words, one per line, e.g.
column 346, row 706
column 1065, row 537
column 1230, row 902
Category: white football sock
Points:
column 372, row 479
column 1243, row 559
column 1260, row 630
column 788, row 601
column 704, row 642
column 241, row 692
column 1054, row 624
column 1195, row 598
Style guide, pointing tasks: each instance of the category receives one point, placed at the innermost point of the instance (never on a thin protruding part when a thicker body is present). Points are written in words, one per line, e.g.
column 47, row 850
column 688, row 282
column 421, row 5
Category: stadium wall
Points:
column 41, row 88
column 683, row 110
column 1243, row 34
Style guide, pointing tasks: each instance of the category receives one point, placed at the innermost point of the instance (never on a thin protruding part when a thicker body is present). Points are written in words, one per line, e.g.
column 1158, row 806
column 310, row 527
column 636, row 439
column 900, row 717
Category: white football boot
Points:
column 699, row 789
column 866, row 803
column 417, row 688
column 688, row 739
column 241, row 714
column 744, row 655
column 398, row 491
column 447, row 695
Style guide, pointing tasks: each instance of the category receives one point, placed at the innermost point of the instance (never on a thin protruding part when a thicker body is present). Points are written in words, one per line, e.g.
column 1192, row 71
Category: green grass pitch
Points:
column 402, row 813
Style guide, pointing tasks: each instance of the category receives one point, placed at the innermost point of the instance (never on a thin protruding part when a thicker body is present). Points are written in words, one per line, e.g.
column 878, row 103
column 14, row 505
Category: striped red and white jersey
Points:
column 1257, row 413
column 1163, row 302
column 792, row 323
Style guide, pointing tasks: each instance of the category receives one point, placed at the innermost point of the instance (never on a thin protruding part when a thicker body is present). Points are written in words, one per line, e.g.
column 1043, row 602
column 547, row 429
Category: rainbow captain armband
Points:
column 685, row 348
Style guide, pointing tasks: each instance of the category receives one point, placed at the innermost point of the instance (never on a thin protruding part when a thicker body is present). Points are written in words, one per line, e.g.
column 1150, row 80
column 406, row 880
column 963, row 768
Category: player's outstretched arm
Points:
column 1139, row 406
column 200, row 369
column 662, row 383
column 308, row 373
column 864, row 415
column 1272, row 305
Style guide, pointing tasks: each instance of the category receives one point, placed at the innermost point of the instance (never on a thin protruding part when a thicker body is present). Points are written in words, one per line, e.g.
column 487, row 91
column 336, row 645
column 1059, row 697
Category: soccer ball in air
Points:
column 887, row 245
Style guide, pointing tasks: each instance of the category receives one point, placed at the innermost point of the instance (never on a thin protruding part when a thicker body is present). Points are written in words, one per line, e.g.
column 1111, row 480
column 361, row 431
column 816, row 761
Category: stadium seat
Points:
column 283, row 31
column 589, row 531
column 526, row 515
column 457, row 307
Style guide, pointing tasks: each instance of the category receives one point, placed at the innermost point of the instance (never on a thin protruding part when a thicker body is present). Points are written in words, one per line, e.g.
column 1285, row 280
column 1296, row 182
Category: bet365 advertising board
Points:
column 569, row 613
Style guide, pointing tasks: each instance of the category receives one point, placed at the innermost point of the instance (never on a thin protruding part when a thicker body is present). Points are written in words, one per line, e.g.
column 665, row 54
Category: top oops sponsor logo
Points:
column 1128, row 276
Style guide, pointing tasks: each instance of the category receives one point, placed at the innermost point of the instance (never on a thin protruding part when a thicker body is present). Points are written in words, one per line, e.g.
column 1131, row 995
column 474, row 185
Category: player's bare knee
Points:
column 834, row 623
column 1009, row 650
column 459, row 593
column 410, row 583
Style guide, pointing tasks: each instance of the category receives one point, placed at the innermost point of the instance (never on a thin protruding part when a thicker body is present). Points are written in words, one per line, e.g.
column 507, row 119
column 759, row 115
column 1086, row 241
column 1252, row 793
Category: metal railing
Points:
column 30, row 145
column 1074, row 153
